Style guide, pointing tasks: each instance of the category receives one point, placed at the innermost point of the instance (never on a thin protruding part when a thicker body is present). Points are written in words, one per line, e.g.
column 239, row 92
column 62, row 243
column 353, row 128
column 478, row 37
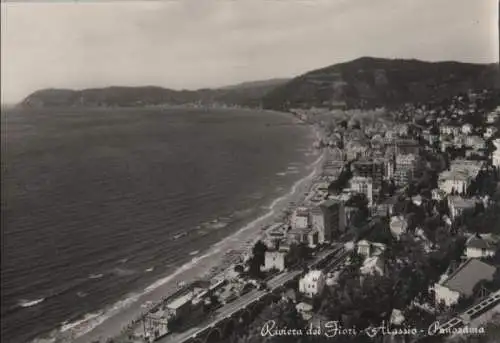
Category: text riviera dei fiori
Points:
column 334, row 329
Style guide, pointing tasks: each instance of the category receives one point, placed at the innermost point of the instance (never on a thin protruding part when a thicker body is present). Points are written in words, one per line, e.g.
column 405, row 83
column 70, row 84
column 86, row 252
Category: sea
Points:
column 99, row 203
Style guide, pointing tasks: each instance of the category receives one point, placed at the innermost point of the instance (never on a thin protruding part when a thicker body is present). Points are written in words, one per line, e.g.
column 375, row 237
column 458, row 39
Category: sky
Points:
column 190, row 44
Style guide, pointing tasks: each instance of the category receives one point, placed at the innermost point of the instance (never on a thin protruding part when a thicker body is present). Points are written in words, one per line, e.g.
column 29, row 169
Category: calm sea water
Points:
column 98, row 203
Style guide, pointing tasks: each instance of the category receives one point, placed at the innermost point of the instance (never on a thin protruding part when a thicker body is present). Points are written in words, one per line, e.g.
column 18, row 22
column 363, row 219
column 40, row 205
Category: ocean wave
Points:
column 30, row 303
column 179, row 270
column 95, row 276
column 194, row 252
column 150, row 269
column 72, row 325
column 218, row 225
column 179, row 235
column 92, row 320
column 123, row 271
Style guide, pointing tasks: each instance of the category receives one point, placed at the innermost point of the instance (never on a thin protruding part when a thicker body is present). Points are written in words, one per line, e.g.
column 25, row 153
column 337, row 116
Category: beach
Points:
column 111, row 321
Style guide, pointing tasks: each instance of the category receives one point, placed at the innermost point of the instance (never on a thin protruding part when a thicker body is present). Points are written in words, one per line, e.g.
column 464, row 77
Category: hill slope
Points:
column 246, row 94
column 364, row 82
column 369, row 82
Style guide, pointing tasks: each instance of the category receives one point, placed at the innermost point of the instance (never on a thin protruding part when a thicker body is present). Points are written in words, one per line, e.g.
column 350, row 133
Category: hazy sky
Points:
column 202, row 43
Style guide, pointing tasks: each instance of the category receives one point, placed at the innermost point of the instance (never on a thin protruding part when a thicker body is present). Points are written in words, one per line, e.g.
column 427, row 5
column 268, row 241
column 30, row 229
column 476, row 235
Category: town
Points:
column 402, row 227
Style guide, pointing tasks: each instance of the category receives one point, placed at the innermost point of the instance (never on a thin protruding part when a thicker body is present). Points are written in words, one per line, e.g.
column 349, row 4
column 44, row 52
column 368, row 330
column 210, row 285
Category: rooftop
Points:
column 180, row 301
column 313, row 275
column 488, row 242
column 468, row 275
column 458, row 201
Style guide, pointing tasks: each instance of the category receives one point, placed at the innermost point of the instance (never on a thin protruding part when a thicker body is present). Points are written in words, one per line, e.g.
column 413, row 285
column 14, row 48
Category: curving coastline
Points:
column 113, row 319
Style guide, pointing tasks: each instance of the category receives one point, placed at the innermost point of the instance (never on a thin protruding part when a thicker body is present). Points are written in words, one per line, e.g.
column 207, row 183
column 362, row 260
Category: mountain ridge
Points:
column 362, row 82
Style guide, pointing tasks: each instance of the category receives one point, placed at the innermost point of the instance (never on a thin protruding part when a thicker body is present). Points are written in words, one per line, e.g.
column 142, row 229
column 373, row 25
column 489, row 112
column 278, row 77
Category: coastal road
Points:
column 465, row 317
column 249, row 298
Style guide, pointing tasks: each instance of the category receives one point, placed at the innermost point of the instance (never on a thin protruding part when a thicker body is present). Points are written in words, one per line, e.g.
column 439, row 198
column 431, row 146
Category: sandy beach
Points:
column 114, row 319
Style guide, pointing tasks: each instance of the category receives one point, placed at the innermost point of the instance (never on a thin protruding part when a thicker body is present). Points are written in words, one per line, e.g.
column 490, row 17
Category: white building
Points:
column 496, row 153
column 462, row 281
column 274, row 259
column 305, row 310
column 489, row 132
column 475, row 142
column 398, row 226
column 406, row 165
column 300, row 218
column 454, row 181
column 438, row 194
column 492, row 117
column 373, row 266
column 460, row 175
column 363, row 185
column 369, row 249
column 459, row 205
column 449, row 130
column 481, row 246
column 467, row 128
column 312, row 283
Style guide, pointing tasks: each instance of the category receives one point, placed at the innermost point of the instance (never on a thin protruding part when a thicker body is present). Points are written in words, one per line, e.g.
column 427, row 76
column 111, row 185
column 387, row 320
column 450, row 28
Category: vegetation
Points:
column 374, row 82
column 247, row 94
column 257, row 260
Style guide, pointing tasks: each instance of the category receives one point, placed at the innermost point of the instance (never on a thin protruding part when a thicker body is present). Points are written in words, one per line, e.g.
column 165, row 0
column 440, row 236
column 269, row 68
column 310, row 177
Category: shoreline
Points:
column 112, row 320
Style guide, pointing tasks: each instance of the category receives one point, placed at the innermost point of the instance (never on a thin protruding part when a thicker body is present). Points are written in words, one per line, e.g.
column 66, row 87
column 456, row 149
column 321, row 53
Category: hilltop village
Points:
column 398, row 236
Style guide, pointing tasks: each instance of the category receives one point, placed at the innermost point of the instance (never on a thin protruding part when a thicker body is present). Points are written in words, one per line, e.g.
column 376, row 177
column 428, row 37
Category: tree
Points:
column 360, row 202
column 299, row 253
column 257, row 259
column 356, row 259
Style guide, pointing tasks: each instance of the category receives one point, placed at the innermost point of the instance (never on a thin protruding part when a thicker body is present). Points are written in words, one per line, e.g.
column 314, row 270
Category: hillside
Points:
column 362, row 83
column 371, row 82
column 246, row 94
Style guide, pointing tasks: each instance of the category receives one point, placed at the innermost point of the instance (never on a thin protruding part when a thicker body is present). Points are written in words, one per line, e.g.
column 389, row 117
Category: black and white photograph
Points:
column 250, row 171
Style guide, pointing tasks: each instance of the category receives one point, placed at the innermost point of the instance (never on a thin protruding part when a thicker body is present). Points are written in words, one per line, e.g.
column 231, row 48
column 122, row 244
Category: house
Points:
column 363, row 185
column 180, row 306
column 355, row 148
column 335, row 154
column 475, row 142
column 369, row 249
column 275, row 259
column 467, row 128
column 397, row 317
column 386, row 208
column 438, row 194
column 495, row 158
column 459, row 205
column 373, row 266
column 462, row 281
column 417, row 200
column 300, row 218
column 312, row 284
column 449, row 129
column 451, row 181
column 459, row 176
column 310, row 236
column 305, row 310
column 405, row 167
column 275, row 234
column 489, row 132
column 398, row 226
column 481, row 246
column 492, row 117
